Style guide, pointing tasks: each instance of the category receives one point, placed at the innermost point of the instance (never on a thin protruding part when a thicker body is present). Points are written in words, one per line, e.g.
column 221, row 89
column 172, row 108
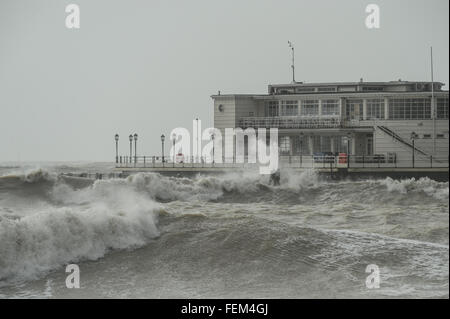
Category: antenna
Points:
column 293, row 61
column 433, row 107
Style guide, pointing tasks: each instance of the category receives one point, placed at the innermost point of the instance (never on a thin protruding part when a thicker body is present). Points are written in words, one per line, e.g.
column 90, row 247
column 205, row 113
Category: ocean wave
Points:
column 296, row 188
column 425, row 185
column 85, row 225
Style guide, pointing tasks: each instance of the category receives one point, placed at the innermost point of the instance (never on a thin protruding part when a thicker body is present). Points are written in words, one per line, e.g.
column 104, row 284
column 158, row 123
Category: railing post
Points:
column 363, row 161
column 431, row 161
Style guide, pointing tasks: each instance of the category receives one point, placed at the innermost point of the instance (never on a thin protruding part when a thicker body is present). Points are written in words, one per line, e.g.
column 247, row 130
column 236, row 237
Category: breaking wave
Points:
column 49, row 220
column 72, row 225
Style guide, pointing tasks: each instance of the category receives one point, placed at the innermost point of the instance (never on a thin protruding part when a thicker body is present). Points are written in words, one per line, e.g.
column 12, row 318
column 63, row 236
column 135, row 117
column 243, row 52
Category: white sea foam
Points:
column 97, row 220
column 438, row 190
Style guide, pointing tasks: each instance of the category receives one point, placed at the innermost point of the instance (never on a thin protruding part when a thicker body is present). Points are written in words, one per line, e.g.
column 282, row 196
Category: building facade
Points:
column 357, row 118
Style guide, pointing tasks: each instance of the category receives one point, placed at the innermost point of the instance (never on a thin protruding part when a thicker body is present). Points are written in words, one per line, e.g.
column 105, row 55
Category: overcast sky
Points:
column 150, row 66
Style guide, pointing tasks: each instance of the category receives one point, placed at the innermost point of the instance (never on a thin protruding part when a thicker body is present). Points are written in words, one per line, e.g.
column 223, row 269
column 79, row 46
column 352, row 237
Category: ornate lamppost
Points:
column 116, row 137
column 163, row 138
column 135, row 148
column 131, row 146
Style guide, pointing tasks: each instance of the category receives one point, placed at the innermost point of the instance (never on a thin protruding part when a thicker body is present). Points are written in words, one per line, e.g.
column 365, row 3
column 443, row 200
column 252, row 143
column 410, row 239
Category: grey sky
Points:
column 150, row 66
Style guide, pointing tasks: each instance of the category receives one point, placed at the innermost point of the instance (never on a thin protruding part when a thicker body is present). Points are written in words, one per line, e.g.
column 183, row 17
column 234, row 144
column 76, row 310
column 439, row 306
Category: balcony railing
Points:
column 295, row 122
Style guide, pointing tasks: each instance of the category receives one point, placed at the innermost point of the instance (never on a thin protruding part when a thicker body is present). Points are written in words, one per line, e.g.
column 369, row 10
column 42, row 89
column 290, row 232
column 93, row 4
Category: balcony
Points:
column 296, row 122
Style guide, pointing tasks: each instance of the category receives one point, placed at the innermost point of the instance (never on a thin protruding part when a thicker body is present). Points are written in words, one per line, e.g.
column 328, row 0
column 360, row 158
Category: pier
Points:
column 334, row 166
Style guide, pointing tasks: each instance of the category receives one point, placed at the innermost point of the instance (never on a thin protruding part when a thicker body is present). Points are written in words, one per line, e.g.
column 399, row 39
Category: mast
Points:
column 293, row 61
column 433, row 107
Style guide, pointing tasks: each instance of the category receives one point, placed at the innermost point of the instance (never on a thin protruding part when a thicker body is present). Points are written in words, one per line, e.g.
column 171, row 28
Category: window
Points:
column 338, row 144
column 373, row 88
column 325, row 144
column 375, row 109
column 305, row 89
column 347, row 89
column 289, row 108
column 410, row 109
column 272, row 108
column 300, row 145
column 310, row 107
column 426, row 136
column 330, row 107
column 440, row 136
column 442, row 108
column 354, row 109
column 316, row 144
column 326, row 89
column 285, row 145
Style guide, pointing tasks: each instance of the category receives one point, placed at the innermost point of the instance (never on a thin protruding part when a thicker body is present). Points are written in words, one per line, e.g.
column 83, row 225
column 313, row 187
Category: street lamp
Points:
column 135, row 148
column 413, row 139
column 212, row 138
column 163, row 137
column 131, row 146
column 174, row 138
column 116, row 137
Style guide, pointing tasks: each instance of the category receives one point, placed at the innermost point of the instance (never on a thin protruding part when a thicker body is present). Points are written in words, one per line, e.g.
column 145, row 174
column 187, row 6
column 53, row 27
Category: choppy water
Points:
column 150, row 236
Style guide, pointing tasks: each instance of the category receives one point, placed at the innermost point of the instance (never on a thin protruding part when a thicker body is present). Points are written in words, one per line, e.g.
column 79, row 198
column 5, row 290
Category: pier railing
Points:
column 292, row 122
column 286, row 161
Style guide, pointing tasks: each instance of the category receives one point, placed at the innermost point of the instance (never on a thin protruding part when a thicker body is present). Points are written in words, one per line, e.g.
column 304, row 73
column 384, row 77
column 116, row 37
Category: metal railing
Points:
column 304, row 161
column 293, row 122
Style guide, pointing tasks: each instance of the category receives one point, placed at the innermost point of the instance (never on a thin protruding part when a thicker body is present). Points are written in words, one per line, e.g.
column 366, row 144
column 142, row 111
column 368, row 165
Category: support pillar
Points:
column 364, row 109
column 386, row 108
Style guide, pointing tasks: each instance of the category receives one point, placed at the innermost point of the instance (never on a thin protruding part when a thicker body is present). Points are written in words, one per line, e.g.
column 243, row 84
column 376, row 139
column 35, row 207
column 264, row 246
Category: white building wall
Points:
column 383, row 143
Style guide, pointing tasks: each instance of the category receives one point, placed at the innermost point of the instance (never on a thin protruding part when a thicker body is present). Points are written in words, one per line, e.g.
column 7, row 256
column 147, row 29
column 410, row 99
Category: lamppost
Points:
column 212, row 138
column 413, row 139
column 163, row 137
column 131, row 146
column 116, row 137
column 174, row 139
column 135, row 148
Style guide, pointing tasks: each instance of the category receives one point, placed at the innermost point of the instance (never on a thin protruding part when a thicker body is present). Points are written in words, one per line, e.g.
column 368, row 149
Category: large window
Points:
column 310, row 107
column 354, row 109
column 285, row 145
column 410, row 109
column 340, row 145
column 289, row 108
column 272, row 108
column 375, row 109
column 442, row 108
column 300, row 145
column 330, row 107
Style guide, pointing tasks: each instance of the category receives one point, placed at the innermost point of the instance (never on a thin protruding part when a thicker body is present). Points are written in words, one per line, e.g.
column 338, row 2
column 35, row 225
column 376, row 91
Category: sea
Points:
column 219, row 236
